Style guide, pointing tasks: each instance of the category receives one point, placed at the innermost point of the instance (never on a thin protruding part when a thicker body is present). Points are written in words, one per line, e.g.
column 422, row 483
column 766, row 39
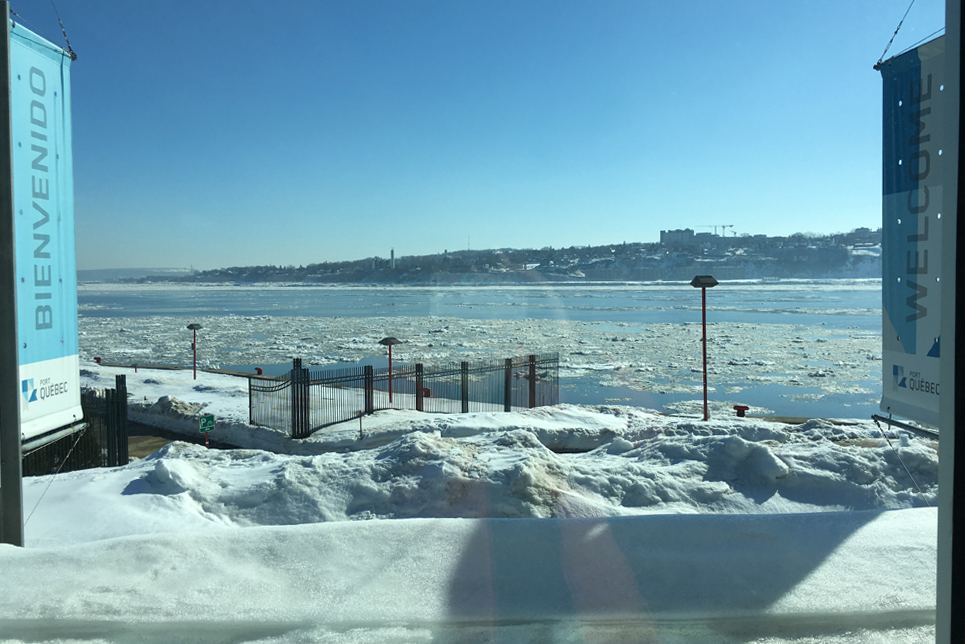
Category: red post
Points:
column 194, row 348
column 390, row 374
column 703, row 307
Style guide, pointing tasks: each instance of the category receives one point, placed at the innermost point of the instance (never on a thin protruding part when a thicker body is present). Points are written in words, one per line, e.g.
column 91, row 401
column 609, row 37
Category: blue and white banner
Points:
column 43, row 196
column 913, row 171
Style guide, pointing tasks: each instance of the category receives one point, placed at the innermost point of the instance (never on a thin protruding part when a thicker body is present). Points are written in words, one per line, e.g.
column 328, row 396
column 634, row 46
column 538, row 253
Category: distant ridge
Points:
column 680, row 255
column 119, row 274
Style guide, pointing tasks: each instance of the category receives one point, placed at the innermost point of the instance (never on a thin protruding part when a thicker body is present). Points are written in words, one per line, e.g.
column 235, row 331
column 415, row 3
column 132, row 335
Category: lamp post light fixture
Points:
column 194, row 346
column 704, row 282
column 390, row 342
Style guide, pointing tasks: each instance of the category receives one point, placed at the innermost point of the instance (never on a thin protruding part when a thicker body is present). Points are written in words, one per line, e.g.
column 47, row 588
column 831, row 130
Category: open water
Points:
column 835, row 302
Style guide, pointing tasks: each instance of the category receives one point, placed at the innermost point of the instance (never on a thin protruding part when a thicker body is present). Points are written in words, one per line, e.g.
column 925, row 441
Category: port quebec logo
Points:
column 899, row 373
column 29, row 391
column 47, row 389
column 912, row 382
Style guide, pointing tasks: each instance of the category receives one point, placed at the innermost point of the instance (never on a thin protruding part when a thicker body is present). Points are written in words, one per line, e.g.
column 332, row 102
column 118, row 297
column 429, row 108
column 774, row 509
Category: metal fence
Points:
column 308, row 400
column 103, row 443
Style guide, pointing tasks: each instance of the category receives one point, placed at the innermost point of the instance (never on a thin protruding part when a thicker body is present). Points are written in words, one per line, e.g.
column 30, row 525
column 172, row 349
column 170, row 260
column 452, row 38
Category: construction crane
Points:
column 723, row 228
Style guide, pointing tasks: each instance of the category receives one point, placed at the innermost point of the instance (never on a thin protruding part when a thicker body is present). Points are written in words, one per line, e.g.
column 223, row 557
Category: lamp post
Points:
column 389, row 342
column 194, row 346
column 704, row 282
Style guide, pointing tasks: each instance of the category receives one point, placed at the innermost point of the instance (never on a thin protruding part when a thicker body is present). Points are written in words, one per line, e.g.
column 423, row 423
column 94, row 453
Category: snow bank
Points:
column 562, row 461
column 661, row 578
column 509, row 474
column 627, row 526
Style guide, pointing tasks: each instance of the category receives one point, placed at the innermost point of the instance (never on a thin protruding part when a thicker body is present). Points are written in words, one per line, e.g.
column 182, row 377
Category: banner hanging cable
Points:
column 888, row 46
column 923, row 40
column 70, row 50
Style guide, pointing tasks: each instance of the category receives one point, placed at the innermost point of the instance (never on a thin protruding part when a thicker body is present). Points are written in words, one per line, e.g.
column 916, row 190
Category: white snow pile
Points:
column 564, row 461
column 557, row 524
column 506, row 473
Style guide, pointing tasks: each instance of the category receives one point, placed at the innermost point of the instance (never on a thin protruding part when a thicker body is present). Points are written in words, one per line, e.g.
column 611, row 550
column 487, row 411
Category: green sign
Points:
column 207, row 423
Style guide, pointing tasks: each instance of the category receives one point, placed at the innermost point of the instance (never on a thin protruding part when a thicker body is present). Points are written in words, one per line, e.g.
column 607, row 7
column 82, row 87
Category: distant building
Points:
column 683, row 237
column 863, row 236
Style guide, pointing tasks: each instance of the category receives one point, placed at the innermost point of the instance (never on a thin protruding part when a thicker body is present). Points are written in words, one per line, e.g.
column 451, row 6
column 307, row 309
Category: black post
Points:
column 464, row 377
column 110, row 416
column 300, row 400
column 369, row 390
column 306, row 403
column 508, row 386
column 703, row 319
column 11, row 461
column 556, row 379
column 532, row 381
column 123, row 454
column 950, row 627
column 293, row 378
column 418, row 387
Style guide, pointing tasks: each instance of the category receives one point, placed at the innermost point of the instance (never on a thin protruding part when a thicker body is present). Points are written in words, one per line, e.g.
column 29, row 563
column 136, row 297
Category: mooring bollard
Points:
column 741, row 409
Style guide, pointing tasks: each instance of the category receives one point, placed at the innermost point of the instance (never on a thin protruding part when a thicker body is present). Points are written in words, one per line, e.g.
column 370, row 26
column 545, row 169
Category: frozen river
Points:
column 795, row 348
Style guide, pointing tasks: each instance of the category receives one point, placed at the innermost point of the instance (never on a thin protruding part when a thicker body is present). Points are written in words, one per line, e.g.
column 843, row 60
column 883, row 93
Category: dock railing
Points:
column 307, row 400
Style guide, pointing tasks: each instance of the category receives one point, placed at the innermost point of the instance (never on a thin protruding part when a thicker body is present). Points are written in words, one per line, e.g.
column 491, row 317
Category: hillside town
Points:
column 679, row 255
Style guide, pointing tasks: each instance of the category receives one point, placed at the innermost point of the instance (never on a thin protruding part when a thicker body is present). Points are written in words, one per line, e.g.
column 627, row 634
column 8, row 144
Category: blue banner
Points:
column 44, row 232
column 913, row 173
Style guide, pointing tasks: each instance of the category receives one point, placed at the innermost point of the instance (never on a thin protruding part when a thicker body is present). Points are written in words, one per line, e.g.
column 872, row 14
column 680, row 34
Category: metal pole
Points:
column 11, row 472
column 194, row 348
column 390, row 374
column 703, row 309
column 110, row 416
column 532, row 381
column 950, row 578
column 508, row 385
column 293, row 379
column 419, row 384
column 123, row 443
column 369, row 389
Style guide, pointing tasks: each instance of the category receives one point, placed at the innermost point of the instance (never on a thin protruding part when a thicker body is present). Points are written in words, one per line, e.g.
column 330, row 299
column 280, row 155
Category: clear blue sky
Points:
column 218, row 134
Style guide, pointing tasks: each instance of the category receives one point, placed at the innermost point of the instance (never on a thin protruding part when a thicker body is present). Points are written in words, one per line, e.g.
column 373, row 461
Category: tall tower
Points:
column 392, row 259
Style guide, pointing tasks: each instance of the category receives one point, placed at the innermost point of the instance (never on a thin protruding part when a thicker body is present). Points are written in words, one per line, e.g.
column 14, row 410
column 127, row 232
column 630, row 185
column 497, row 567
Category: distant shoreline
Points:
column 752, row 281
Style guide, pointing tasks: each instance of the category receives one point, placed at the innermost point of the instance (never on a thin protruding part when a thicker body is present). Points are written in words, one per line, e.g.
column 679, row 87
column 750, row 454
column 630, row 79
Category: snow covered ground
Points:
column 568, row 524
